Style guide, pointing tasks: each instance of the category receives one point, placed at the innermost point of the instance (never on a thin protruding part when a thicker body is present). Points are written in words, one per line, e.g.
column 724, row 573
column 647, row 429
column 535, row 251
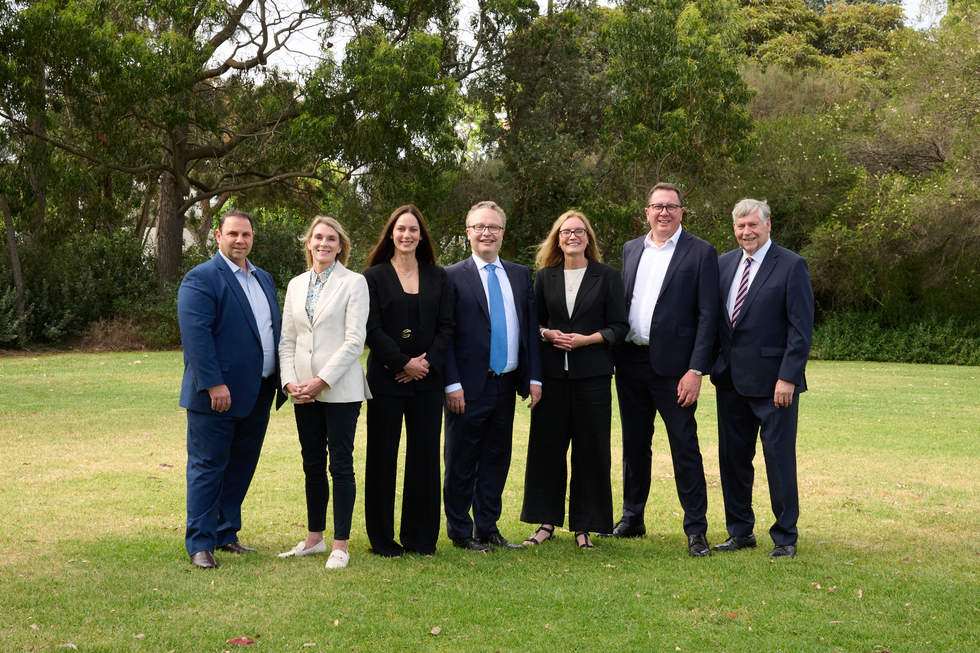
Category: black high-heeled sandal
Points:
column 586, row 543
column 550, row 530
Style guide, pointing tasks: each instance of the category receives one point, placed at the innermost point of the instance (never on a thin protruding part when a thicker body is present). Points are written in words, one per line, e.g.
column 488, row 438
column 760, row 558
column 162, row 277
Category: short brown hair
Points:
column 663, row 185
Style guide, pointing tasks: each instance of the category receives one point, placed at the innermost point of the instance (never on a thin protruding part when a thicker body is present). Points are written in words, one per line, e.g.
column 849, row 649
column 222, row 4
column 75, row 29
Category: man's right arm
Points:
column 197, row 316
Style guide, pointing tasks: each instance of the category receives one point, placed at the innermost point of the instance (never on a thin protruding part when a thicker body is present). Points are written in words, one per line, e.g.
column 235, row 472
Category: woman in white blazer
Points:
column 323, row 328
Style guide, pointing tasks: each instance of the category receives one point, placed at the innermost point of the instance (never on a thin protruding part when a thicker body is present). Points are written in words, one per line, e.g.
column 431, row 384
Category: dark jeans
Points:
column 324, row 428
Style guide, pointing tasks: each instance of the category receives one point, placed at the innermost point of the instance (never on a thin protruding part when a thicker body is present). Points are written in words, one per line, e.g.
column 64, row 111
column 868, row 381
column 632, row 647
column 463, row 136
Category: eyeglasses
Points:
column 480, row 228
column 657, row 208
column 566, row 233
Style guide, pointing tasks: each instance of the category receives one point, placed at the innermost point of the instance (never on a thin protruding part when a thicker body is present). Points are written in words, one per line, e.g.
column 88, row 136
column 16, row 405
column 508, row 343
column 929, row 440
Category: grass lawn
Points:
column 92, row 458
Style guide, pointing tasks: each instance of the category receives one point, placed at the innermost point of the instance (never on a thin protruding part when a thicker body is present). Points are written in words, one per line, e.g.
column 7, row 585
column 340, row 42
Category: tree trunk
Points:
column 8, row 221
column 170, row 230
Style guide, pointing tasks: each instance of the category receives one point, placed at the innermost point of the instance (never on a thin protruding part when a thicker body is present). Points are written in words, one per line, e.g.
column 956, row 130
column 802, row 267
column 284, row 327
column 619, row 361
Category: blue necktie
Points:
column 498, row 322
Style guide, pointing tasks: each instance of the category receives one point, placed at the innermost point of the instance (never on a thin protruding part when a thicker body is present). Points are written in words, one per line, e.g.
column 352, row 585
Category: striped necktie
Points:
column 743, row 289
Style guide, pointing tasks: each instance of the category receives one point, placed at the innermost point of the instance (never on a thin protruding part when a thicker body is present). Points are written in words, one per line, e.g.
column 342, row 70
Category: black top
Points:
column 401, row 326
column 600, row 305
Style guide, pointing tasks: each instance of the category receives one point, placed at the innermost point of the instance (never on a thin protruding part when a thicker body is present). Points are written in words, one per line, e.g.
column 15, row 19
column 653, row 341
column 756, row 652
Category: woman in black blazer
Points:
column 582, row 312
column 409, row 331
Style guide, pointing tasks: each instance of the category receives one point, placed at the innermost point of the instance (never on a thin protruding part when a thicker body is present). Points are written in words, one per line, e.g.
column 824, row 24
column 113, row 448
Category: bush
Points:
column 933, row 339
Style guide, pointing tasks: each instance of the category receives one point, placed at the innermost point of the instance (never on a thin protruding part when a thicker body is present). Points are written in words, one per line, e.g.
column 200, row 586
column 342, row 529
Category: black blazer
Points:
column 599, row 306
column 685, row 320
column 468, row 360
column 433, row 334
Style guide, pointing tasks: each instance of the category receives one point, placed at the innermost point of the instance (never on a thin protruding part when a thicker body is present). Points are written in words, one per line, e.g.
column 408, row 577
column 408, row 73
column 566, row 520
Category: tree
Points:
column 181, row 97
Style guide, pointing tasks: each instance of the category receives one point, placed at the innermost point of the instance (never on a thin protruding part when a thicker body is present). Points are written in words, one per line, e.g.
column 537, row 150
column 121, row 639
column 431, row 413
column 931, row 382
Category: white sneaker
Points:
column 298, row 550
column 338, row 559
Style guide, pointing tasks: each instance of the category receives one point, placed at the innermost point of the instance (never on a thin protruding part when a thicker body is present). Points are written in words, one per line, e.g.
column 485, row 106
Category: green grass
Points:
column 92, row 509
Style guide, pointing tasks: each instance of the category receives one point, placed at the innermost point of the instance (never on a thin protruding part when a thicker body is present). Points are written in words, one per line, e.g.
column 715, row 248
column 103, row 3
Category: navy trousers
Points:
column 222, row 453
column 477, row 457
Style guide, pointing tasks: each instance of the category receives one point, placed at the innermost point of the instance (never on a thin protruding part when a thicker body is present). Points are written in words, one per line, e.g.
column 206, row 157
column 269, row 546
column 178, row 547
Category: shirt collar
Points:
column 759, row 253
column 648, row 241
column 322, row 276
column 234, row 266
column 480, row 263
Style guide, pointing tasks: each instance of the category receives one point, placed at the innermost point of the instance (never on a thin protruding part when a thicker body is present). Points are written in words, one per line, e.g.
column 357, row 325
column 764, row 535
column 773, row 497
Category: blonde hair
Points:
column 488, row 204
column 344, row 252
column 549, row 253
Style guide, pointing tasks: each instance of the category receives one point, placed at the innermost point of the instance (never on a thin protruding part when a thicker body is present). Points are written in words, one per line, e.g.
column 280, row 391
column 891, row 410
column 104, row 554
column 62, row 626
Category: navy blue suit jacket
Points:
column 682, row 331
column 221, row 338
column 771, row 339
column 468, row 359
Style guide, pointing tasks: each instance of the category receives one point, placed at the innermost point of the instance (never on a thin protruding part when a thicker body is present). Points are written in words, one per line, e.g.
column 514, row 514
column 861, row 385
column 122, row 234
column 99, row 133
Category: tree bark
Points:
column 8, row 221
column 170, row 230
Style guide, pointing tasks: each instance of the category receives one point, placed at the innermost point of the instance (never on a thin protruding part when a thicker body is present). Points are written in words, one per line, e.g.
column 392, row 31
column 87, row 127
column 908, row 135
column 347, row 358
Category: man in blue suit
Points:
column 672, row 299
column 229, row 325
column 494, row 355
column 765, row 336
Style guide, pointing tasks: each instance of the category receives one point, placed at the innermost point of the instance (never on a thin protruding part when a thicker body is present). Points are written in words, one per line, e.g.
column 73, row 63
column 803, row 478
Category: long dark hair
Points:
column 385, row 247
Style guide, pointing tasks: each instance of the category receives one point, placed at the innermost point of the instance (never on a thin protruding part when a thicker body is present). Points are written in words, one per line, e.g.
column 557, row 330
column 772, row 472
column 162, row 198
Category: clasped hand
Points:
column 307, row 391
column 415, row 369
column 565, row 341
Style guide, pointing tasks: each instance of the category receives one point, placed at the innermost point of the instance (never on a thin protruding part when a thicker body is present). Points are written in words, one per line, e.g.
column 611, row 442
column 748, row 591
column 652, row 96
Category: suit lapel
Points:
column 769, row 263
column 726, row 276
column 472, row 276
column 330, row 288
column 631, row 262
column 236, row 290
column 681, row 250
column 590, row 282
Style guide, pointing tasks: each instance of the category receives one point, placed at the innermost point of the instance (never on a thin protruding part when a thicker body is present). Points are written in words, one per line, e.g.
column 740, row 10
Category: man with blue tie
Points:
column 493, row 356
column 764, row 343
column 229, row 319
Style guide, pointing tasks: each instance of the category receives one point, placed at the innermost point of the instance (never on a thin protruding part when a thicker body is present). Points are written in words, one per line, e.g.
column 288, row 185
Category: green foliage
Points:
column 849, row 28
column 913, row 337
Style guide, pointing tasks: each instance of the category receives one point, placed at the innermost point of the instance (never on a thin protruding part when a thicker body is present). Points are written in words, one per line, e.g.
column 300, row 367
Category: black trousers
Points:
column 421, row 500
column 741, row 421
column 642, row 394
column 329, row 428
column 477, row 453
column 576, row 412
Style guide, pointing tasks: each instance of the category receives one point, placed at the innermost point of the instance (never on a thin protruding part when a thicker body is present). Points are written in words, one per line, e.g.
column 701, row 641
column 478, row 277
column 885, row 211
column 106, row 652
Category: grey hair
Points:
column 747, row 206
column 493, row 206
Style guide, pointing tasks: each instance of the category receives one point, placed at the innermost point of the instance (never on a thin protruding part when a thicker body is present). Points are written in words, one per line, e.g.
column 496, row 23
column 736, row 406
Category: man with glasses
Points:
column 764, row 341
column 493, row 356
column 671, row 280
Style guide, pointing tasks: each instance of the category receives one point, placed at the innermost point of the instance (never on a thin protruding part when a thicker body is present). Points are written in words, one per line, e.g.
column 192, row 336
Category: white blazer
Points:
column 331, row 349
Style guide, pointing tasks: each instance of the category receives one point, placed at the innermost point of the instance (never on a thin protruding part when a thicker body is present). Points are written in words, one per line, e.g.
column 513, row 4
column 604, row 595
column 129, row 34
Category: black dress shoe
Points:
column 697, row 545
column 237, row 548
column 497, row 539
column 204, row 560
column 736, row 542
column 624, row 530
column 783, row 551
column 470, row 544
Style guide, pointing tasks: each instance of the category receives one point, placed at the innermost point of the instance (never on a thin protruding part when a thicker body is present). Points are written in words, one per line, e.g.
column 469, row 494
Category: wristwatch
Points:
column 697, row 372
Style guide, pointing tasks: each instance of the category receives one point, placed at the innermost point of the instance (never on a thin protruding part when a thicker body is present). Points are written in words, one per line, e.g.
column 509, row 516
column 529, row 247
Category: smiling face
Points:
column 324, row 246
column 751, row 232
column 573, row 237
column 485, row 231
column 664, row 220
column 406, row 233
column 235, row 239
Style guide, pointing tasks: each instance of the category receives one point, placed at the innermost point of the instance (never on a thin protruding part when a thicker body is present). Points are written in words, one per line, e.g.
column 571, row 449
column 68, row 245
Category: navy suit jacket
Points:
column 772, row 337
column 468, row 359
column 682, row 331
column 221, row 338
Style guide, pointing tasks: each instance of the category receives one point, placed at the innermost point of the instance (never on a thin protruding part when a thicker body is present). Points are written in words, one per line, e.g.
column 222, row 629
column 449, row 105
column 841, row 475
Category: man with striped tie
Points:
column 764, row 338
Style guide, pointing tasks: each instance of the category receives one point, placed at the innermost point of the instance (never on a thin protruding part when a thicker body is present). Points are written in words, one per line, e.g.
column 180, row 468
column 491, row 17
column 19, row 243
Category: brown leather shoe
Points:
column 204, row 560
column 237, row 548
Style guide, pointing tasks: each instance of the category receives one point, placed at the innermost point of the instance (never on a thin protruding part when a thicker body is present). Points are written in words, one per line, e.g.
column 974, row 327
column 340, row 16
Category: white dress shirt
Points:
column 260, row 309
column 650, row 274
